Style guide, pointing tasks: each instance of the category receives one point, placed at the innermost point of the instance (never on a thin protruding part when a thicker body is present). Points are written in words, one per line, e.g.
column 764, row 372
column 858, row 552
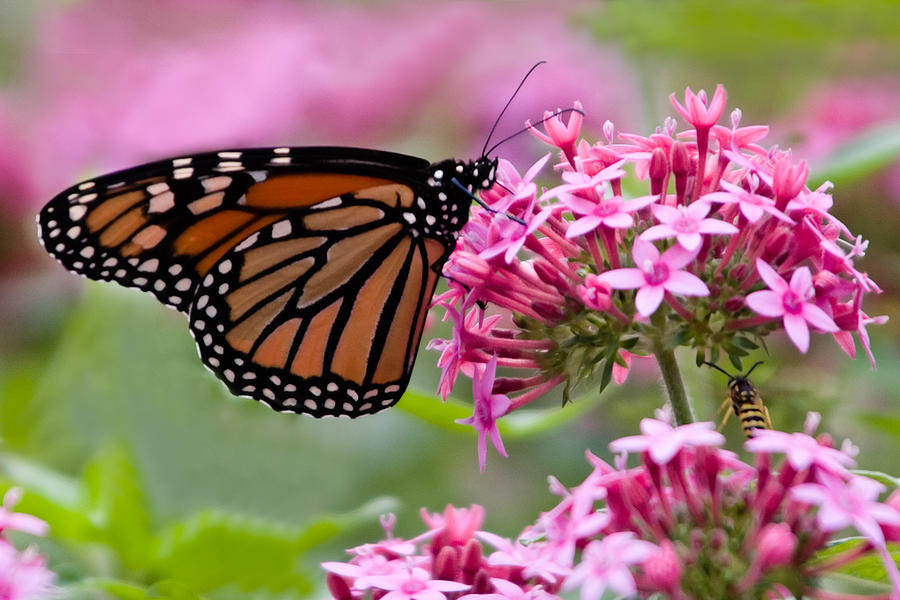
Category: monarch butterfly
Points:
column 746, row 402
column 305, row 273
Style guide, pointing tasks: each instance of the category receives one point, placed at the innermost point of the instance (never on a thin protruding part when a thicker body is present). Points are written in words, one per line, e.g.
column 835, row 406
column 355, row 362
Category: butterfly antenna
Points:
column 718, row 368
column 508, row 102
column 558, row 113
column 480, row 203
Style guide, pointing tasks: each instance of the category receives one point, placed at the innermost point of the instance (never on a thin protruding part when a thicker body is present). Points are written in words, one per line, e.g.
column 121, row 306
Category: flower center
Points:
column 685, row 225
column 607, row 208
column 656, row 273
column 792, row 302
column 411, row 586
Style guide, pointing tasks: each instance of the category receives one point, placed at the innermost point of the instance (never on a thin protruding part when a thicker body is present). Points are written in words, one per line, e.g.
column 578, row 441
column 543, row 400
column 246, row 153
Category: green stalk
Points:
column 668, row 367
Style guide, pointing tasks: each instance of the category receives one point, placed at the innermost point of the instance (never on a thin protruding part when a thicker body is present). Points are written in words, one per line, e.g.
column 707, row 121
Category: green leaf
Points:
column 866, row 570
column 884, row 423
column 117, row 588
column 117, row 505
column 215, row 548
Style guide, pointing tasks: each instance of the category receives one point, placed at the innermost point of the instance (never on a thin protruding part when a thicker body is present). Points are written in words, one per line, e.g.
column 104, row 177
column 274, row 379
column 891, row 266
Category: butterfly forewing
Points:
column 306, row 272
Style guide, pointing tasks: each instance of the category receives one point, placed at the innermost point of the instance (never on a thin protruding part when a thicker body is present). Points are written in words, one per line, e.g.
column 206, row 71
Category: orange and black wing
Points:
column 306, row 272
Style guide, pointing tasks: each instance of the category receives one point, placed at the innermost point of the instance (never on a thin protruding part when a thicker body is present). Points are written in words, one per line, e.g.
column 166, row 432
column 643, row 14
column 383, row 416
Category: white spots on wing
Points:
column 330, row 203
column 207, row 339
column 183, row 285
column 213, row 361
column 175, row 269
column 110, row 262
column 73, row 232
column 120, row 273
column 159, row 285
column 281, row 229
column 77, row 211
column 157, row 188
column 283, row 150
column 430, row 220
column 211, row 311
column 258, row 176
column 202, row 301
column 87, row 252
column 252, row 239
column 315, row 390
column 208, row 280
column 183, row 173
column 161, row 202
column 199, row 324
column 229, row 375
column 223, row 288
column 230, row 154
column 224, row 266
column 230, row 165
column 329, row 404
column 149, row 266
column 181, row 162
column 421, row 202
column 86, row 185
column 87, row 198
column 140, row 281
column 409, row 217
column 215, row 184
column 281, row 160
column 332, row 387
column 310, row 404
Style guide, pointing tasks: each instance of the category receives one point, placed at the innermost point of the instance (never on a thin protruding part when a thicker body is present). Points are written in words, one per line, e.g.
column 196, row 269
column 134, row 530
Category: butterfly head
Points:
column 455, row 184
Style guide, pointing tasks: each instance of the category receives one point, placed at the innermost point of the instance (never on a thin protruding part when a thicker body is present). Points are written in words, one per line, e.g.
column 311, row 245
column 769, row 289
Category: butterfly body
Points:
column 305, row 273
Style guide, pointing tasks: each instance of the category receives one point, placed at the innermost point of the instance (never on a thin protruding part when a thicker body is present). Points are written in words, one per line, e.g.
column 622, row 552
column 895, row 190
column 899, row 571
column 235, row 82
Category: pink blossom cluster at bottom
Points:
column 691, row 521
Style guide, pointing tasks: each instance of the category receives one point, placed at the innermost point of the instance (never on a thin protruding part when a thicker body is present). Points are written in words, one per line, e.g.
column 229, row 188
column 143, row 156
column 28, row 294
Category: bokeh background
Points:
column 158, row 483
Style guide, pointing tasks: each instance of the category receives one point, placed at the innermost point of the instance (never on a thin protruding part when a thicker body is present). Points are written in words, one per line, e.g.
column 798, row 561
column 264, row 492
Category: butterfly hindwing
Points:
column 321, row 312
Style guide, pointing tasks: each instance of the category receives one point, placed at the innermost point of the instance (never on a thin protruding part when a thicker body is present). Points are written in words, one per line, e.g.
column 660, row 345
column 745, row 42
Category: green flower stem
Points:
column 668, row 366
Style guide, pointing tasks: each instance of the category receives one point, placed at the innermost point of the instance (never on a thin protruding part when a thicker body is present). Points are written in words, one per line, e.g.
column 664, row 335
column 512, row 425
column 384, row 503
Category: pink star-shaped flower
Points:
column 488, row 408
column 662, row 441
column 800, row 450
column 696, row 111
column 852, row 504
column 614, row 213
column 655, row 275
column 792, row 302
column 414, row 584
column 454, row 351
column 605, row 565
column 686, row 224
column 752, row 205
column 559, row 134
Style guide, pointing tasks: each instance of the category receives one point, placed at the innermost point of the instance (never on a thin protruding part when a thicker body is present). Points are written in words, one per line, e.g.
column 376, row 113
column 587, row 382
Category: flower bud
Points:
column 663, row 568
column 446, row 564
column 775, row 545
column 595, row 293
column 338, row 587
column 734, row 304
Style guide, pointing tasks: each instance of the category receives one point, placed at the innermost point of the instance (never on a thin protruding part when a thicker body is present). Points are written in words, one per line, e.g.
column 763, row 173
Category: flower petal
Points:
column 623, row 279
column 818, row 318
column 796, row 328
column 648, row 299
column 686, row 284
column 766, row 303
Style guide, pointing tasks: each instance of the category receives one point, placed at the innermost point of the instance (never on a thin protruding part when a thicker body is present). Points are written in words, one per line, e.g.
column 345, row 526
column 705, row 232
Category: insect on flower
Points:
column 746, row 402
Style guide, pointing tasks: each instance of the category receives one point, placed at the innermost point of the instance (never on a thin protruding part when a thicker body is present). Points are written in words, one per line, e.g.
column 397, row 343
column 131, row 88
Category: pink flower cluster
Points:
column 691, row 521
column 23, row 575
column 726, row 245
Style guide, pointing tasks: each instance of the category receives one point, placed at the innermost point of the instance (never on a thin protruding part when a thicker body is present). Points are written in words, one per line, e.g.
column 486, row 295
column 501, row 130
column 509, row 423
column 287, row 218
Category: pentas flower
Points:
column 23, row 574
column 692, row 521
column 700, row 238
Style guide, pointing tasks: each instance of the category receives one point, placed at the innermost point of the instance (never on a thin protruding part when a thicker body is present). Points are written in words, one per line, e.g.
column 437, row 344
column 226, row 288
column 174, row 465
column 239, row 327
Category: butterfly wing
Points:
column 305, row 272
column 160, row 227
column 321, row 312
